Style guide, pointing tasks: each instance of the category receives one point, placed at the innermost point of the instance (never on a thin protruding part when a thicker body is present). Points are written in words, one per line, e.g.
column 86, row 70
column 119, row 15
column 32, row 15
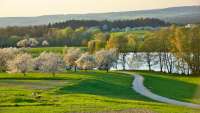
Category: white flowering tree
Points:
column 106, row 59
column 30, row 42
column 33, row 42
column 71, row 56
column 86, row 62
column 22, row 63
column 50, row 62
column 23, row 43
column 37, row 62
column 6, row 54
column 45, row 43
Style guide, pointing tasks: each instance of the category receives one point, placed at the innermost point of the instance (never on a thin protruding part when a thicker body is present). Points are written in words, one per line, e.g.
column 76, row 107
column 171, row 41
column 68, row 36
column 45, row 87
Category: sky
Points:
column 25, row 8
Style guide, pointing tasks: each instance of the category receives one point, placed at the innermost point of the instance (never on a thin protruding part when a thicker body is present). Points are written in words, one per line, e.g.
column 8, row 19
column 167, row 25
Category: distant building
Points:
column 190, row 25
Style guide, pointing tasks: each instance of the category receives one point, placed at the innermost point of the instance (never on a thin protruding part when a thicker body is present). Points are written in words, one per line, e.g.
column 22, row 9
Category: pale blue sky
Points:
column 13, row 8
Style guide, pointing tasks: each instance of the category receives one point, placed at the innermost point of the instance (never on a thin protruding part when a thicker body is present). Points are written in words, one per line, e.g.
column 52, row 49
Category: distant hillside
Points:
column 179, row 15
column 109, row 25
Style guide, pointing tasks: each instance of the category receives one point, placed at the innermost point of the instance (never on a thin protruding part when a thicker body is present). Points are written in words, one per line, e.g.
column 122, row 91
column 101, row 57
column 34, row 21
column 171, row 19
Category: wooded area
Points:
column 71, row 33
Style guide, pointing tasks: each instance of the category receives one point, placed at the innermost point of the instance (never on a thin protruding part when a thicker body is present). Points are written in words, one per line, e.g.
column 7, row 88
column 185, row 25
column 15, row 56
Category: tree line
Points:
column 108, row 25
column 171, row 47
column 9, row 37
column 70, row 33
column 14, row 60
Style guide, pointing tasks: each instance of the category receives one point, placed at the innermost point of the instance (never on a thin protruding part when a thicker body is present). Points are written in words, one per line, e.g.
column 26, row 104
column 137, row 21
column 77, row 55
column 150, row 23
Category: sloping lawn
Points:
column 93, row 91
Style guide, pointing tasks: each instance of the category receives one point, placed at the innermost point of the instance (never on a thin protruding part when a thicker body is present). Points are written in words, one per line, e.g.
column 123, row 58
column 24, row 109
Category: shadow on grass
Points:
column 113, row 85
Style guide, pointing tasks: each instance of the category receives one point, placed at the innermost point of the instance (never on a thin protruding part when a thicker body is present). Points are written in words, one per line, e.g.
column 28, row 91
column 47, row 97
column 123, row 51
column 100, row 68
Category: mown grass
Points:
column 37, row 51
column 137, row 33
column 141, row 33
column 174, row 86
column 94, row 91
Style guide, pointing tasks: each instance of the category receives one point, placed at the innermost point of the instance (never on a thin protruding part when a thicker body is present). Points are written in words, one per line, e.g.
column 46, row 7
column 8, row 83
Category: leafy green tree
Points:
column 186, row 43
column 148, row 48
column 123, row 44
column 95, row 45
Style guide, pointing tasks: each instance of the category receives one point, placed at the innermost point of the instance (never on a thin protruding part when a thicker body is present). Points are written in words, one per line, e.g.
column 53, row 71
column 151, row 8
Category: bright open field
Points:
column 137, row 33
column 93, row 91
column 37, row 51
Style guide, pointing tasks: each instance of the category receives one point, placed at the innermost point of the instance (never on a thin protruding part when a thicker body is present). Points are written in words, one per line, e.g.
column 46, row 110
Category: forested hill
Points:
column 41, row 30
column 108, row 25
column 183, row 15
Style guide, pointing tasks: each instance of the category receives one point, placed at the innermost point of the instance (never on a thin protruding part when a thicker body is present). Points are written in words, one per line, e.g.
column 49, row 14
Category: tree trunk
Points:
column 107, row 70
column 149, row 66
column 148, row 60
column 124, row 61
column 53, row 74
column 75, row 68
column 161, row 62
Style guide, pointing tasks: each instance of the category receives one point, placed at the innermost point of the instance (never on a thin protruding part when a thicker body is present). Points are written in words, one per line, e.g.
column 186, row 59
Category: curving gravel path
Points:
column 139, row 87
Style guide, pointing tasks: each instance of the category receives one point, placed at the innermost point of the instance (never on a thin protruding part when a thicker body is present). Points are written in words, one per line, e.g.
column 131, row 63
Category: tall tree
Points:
column 72, row 55
column 120, row 42
column 106, row 59
column 21, row 63
column 186, row 47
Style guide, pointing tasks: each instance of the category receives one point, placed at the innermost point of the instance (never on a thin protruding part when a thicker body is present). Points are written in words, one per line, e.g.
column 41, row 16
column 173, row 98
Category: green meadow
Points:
column 38, row 50
column 90, row 91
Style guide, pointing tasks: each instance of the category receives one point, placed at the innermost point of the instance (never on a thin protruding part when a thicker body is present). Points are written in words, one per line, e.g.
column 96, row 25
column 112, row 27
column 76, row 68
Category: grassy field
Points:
column 141, row 33
column 37, row 51
column 94, row 91
column 137, row 33
column 173, row 86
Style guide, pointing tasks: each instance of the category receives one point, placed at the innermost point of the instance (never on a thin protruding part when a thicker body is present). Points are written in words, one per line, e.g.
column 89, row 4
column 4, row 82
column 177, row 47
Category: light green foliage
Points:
column 98, row 43
column 118, row 41
column 95, row 45
column 187, row 48
column 124, row 42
